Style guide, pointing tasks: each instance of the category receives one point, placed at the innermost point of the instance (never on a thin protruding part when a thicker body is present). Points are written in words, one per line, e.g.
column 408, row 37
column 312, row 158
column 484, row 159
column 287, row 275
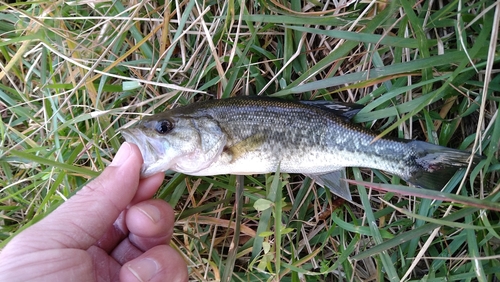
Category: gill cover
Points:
column 207, row 142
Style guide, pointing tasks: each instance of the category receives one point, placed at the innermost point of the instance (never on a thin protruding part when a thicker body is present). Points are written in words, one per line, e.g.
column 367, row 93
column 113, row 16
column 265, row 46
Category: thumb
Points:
column 85, row 217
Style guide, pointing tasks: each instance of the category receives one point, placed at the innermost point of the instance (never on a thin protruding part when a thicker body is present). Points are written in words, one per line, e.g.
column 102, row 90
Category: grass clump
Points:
column 74, row 72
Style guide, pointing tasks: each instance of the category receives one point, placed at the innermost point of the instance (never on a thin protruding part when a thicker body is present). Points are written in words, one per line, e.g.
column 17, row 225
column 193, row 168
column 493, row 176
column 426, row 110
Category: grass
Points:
column 74, row 72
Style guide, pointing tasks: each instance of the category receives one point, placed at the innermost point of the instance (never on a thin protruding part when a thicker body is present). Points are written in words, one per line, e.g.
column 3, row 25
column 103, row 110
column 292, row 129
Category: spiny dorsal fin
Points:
column 341, row 109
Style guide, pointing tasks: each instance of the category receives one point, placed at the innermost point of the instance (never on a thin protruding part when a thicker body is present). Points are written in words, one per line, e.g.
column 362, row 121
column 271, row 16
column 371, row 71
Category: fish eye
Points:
column 164, row 126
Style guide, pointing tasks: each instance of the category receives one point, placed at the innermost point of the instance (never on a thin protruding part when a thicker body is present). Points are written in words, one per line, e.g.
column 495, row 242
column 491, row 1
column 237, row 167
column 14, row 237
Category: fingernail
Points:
column 144, row 269
column 150, row 211
column 122, row 155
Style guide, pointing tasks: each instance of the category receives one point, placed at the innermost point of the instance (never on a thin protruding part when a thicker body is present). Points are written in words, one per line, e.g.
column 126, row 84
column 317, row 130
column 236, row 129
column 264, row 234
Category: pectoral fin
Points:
column 333, row 180
column 245, row 146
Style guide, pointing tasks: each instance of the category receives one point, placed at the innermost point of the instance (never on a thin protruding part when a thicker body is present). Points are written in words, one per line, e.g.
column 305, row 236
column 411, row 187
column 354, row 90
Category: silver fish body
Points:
column 253, row 135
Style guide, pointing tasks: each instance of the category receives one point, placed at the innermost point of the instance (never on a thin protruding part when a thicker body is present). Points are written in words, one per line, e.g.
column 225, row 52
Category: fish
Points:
column 257, row 135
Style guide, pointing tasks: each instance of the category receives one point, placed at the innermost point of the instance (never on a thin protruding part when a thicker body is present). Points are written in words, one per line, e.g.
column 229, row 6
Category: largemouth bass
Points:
column 255, row 135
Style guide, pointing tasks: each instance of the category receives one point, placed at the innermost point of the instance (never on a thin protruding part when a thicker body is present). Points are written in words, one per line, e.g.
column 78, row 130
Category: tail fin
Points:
column 434, row 165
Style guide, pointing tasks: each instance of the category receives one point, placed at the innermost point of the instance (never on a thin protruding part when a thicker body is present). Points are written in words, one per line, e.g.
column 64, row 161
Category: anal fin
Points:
column 334, row 181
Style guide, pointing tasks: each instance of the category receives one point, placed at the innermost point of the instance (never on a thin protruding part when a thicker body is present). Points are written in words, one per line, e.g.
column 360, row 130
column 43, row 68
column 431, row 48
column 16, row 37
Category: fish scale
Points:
column 250, row 135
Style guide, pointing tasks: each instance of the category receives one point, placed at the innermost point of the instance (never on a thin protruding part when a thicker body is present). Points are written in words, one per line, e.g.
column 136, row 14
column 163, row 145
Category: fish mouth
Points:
column 147, row 149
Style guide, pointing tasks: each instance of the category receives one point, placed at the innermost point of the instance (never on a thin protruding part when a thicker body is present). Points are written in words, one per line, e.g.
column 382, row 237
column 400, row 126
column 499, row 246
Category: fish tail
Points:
column 433, row 165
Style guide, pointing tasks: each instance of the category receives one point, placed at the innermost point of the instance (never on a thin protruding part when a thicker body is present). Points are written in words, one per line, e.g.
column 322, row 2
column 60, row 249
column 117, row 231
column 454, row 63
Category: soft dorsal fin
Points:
column 341, row 109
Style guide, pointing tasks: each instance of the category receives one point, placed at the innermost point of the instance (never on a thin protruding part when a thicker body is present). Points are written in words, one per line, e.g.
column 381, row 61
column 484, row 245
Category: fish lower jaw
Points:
column 154, row 167
column 206, row 173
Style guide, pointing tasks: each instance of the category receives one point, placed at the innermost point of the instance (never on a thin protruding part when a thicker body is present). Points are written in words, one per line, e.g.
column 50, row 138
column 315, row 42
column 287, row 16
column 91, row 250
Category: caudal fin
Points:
column 435, row 165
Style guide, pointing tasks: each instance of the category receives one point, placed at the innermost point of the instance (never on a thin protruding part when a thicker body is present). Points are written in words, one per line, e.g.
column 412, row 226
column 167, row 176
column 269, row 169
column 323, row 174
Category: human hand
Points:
column 109, row 231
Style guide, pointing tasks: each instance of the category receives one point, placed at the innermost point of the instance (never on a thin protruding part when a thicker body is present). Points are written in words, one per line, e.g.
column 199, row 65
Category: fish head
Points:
column 183, row 144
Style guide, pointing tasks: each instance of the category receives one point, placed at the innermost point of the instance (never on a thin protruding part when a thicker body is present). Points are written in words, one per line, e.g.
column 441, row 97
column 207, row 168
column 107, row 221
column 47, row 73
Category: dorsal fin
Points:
column 341, row 109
